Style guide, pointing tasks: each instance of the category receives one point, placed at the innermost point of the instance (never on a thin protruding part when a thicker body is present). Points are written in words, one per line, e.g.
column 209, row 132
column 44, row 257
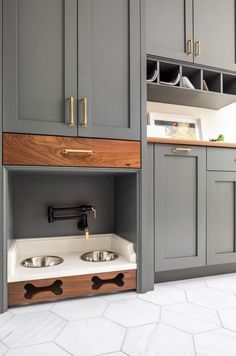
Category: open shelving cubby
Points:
column 197, row 86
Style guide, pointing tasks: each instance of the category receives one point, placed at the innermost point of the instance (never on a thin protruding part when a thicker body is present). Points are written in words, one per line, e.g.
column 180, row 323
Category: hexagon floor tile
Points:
column 216, row 343
column 3, row 349
column 80, row 308
column 163, row 295
column 49, row 349
column 120, row 296
column 4, row 318
column 31, row 328
column 132, row 312
column 116, row 354
column 211, row 298
column 90, row 337
column 189, row 283
column 128, row 323
column 228, row 318
column 190, row 318
column 227, row 284
column 31, row 308
column 158, row 339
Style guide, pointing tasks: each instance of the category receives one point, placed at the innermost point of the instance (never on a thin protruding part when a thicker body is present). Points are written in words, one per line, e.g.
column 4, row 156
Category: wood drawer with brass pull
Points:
column 39, row 150
column 34, row 291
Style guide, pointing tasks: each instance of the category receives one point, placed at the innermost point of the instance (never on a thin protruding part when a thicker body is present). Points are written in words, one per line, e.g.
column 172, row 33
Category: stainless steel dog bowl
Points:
column 42, row 261
column 99, row 256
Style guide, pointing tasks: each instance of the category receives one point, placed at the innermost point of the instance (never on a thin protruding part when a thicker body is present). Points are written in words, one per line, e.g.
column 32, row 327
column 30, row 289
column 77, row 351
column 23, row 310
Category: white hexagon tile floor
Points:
column 195, row 317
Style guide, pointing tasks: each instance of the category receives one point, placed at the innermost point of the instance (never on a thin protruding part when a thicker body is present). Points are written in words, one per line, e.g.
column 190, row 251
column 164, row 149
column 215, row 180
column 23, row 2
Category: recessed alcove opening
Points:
column 30, row 191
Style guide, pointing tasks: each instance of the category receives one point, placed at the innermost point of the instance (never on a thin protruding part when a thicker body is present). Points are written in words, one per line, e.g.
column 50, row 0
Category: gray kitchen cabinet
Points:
column 53, row 47
column 109, row 68
column 179, row 207
column 3, row 252
column 214, row 30
column 198, row 31
column 221, row 218
column 169, row 28
column 39, row 66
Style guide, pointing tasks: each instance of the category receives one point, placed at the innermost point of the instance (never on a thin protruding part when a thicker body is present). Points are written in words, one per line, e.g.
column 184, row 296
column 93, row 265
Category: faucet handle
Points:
column 94, row 212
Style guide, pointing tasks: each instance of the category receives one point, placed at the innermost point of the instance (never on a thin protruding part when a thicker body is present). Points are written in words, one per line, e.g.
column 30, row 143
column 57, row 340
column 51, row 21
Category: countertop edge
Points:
column 191, row 143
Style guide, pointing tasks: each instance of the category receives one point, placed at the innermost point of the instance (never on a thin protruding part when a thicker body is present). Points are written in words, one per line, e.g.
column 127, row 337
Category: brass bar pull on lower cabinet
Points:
column 189, row 47
column 84, row 102
column 67, row 151
column 181, row 149
column 197, row 49
column 72, row 120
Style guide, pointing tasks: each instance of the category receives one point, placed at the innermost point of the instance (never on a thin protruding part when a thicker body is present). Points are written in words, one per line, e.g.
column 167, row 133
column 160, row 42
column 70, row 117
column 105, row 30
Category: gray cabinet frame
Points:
column 162, row 263
column 3, row 249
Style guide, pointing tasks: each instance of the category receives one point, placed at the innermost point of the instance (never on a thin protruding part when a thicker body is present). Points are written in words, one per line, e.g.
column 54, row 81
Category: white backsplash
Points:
column 214, row 122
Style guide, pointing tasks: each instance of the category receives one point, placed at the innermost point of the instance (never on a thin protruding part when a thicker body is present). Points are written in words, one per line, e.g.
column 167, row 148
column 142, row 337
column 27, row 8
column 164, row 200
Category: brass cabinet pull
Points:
column 197, row 49
column 67, row 151
column 189, row 47
column 72, row 121
column 181, row 149
column 84, row 102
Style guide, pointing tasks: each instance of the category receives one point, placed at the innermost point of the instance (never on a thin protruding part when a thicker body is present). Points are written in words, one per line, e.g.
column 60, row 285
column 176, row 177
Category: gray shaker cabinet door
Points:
column 39, row 66
column 169, row 28
column 109, row 68
column 214, row 27
column 180, row 207
column 221, row 218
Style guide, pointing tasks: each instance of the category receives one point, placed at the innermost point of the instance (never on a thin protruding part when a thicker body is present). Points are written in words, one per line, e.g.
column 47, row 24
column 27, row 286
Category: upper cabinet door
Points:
column 170, row 29
column 40, row 66
column 214, row 32
column 109, row 68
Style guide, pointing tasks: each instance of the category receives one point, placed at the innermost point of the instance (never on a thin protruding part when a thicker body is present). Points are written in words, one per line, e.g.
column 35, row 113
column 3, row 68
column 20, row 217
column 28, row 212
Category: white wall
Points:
column 214, row 122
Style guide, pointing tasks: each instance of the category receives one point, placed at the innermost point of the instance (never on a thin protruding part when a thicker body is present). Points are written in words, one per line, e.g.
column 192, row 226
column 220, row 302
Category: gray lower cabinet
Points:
column 109, row 68
column 169, row 28
column 57, row 49
column 39, row 66
column 221, row 217
column 179, row 207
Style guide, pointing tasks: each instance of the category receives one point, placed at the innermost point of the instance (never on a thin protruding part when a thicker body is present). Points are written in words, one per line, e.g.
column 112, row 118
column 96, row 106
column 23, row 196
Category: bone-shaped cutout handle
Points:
column 98, row 282
column 32, row 290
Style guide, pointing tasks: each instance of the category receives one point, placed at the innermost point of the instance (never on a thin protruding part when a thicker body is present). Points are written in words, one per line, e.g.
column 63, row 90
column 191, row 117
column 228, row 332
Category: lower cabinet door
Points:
column 221, row 215
column 180, row 207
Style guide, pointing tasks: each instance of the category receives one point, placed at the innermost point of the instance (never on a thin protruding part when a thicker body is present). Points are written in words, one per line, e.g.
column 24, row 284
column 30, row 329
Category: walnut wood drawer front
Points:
column 28, row 292
column 221, row 159
column 37, row 150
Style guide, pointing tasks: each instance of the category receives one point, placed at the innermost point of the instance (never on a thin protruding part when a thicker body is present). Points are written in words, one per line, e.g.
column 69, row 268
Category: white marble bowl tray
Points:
column 70, row 248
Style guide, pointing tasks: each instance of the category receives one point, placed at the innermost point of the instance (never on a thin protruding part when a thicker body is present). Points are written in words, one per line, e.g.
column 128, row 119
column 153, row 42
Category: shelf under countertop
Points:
column 191, row 143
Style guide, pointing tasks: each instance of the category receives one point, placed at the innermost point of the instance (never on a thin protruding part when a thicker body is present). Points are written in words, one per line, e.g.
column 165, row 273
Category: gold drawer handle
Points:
column 84, row 102
column 72, row 120
column 181, row 149
column 189, row 47
column 67, row 151
column 197, row 49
